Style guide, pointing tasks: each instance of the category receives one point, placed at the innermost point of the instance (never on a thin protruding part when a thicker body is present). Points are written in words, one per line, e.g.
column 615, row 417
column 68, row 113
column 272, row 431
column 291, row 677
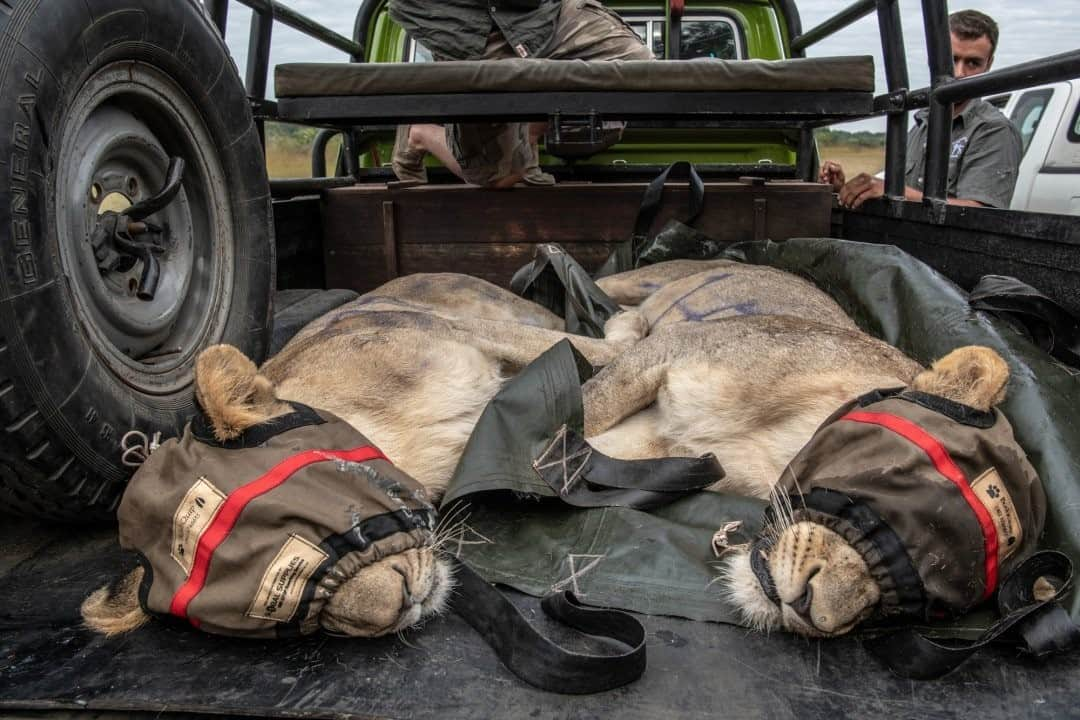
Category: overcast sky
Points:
column 1029, row 29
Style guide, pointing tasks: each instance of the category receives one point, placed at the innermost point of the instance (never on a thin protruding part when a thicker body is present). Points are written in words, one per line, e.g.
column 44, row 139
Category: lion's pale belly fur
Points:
column 703, row 408
column 751, row 390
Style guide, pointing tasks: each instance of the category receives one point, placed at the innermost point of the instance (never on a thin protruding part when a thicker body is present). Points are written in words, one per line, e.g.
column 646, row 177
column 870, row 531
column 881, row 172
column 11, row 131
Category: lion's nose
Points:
column 801, row 604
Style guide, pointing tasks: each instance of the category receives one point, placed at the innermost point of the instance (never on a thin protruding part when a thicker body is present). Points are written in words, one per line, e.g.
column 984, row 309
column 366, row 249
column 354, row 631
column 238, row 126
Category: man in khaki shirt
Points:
column 985, row 151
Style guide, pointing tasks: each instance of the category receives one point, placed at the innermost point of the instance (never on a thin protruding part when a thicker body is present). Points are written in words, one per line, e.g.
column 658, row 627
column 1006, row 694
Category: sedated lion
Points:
column 750, row 388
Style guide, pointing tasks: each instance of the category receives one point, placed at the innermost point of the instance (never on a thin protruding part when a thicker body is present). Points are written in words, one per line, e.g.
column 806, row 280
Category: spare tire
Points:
column 97, row 96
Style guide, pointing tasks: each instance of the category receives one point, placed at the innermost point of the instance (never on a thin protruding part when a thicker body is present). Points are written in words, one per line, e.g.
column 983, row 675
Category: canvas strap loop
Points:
column 536, row 659
column 1035, row 627
column 584, row 477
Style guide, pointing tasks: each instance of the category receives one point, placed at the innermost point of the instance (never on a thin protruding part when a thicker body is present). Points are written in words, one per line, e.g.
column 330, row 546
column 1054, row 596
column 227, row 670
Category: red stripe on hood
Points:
column 225, row 520
column 944, row 464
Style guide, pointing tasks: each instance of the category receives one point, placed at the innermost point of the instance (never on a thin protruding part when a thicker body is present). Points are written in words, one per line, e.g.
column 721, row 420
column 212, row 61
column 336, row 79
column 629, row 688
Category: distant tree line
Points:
column 290, row 137
column 828, row 136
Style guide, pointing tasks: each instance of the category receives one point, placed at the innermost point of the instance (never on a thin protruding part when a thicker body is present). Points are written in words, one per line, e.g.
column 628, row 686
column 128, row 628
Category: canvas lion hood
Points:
column 288, row 510
column 937, row 497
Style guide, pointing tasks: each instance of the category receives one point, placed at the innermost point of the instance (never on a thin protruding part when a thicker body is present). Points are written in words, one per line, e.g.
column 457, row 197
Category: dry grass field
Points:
column 288, row 162
column 854, row 159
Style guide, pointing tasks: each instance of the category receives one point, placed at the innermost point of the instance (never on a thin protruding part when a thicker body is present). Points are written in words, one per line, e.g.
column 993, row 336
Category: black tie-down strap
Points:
column 558, row 282
column 1036, row 627
column 1045, row 322
column 584, row 477
column 536, row 659
column 628, row 255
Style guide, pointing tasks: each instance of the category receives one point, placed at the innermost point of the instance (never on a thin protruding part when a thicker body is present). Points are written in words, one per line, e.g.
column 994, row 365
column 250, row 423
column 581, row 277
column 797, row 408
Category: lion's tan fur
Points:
column 391, row 595
column 975, row 376
column 807, row 553
column 740, row 289
column 413, row 383
column 751, row 390
column 448, row 295
column 634, row 286
column 232, row 393
column 116, row 610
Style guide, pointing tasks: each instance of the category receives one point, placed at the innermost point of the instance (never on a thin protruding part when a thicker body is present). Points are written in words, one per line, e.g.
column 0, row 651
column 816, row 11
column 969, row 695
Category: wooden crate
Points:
column 373, row 233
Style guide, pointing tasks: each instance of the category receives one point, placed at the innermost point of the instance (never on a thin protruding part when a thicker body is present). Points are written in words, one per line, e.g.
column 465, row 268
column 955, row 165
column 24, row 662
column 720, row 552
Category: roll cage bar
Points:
column 944, row 89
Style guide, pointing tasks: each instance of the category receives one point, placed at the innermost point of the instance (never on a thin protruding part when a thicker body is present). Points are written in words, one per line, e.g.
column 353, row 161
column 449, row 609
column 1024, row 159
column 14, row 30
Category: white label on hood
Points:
column 991, row 491
column 195, row 513
column 283, row 583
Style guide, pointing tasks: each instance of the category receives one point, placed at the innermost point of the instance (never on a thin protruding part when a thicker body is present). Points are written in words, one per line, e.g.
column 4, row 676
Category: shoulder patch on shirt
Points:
column 958, row 148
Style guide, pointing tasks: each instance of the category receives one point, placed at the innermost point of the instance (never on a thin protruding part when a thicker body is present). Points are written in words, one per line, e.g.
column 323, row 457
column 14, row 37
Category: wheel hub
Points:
column 148, row 286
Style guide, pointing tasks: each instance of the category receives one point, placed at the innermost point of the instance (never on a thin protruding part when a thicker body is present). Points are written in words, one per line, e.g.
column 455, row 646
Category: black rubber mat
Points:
column 293, row 309
column 48, row 661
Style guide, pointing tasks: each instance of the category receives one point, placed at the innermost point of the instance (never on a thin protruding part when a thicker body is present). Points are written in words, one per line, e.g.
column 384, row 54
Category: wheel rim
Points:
column 123, row 125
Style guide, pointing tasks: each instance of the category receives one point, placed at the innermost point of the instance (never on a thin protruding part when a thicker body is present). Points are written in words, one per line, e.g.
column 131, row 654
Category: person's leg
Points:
column 406, row 159
column 490, row 154
column 589, row 31
column 432, row 139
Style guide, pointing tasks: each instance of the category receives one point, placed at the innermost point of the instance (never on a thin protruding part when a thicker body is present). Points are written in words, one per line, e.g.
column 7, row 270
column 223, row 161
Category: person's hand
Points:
column 861, row 188
column 832, row 174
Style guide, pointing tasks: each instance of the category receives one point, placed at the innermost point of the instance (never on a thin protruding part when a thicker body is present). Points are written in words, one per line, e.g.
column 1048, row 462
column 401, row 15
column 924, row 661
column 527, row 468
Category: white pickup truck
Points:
column 1048, row 117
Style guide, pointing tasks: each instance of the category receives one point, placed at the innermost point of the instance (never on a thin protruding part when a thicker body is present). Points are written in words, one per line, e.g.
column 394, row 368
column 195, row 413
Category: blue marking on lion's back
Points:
column 747, row 307
column 679, row 303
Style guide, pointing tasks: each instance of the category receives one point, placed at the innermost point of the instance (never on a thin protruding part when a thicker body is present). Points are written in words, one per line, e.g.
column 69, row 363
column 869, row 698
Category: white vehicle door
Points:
column 1055, row 147
column 1032, row 112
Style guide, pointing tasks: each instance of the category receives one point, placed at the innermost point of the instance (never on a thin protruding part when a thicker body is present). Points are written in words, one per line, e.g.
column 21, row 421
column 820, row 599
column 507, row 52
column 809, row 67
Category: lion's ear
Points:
column 232, row 393
column 974, row 375
column 115, row 609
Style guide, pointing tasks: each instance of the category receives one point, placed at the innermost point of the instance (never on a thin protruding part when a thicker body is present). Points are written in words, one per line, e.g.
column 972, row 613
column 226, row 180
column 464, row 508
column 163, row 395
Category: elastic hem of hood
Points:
column 902, row 591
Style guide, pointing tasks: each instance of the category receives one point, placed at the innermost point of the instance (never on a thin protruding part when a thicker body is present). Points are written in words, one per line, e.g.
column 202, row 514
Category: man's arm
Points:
column 864, row 187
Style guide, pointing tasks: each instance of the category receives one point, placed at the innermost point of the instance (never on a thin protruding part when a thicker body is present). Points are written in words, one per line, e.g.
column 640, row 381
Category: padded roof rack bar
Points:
column 728, row 108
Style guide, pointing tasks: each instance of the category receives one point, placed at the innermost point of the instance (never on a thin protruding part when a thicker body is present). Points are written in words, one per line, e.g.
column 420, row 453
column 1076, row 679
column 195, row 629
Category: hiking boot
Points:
column 408, row 163
column 533, row 175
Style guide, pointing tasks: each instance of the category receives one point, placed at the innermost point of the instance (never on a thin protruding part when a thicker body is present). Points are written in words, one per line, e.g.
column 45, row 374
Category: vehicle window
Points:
column 651, row 33
column 415, row 52
column 1027, row 113
column 701, row 38
column 1074, row 129
column 709, row 39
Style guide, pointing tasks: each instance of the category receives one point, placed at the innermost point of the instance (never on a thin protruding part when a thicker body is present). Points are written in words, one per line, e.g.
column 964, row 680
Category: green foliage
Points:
column 828, row 136
column 288, row 137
